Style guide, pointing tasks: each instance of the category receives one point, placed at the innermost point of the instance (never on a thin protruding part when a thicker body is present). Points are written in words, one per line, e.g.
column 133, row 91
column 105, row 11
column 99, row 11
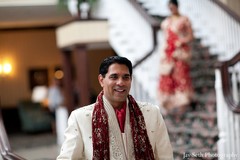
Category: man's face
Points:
column 116, row 84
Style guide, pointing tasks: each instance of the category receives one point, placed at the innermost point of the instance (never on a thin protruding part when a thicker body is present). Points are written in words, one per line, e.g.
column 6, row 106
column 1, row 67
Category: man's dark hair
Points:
column 103, row 69
column 175, row 2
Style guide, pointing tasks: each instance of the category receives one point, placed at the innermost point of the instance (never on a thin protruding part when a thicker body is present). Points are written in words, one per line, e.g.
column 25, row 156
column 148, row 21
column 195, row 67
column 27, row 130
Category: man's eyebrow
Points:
column 115, row 74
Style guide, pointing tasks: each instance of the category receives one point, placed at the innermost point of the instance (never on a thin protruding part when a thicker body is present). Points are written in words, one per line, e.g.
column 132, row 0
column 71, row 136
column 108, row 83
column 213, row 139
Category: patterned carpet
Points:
column 195, row 134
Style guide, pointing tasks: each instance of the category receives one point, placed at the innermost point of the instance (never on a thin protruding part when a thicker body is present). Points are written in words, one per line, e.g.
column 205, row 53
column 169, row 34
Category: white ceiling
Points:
column 27, row 13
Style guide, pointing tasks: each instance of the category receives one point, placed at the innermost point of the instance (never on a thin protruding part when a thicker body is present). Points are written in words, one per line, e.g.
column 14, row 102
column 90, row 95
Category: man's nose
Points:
column 120, row 81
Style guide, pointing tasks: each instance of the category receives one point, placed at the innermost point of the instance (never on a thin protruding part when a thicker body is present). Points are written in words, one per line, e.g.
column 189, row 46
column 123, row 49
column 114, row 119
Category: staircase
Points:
column 131, row 36
column 195, row 134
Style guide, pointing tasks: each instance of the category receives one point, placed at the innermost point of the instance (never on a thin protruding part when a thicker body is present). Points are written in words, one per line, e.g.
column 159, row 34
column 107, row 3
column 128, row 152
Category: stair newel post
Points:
column 221, row 114
column 75, row 36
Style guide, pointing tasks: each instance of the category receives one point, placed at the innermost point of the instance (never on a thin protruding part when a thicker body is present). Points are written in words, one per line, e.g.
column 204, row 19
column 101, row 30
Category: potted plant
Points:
column 78, row 8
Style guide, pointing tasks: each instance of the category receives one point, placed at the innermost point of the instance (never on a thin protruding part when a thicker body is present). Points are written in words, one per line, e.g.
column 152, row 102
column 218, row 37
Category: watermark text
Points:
column 231, row 156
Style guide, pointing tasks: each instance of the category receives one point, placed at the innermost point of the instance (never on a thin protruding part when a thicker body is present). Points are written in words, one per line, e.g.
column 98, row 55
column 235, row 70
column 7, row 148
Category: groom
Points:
column 116, row 126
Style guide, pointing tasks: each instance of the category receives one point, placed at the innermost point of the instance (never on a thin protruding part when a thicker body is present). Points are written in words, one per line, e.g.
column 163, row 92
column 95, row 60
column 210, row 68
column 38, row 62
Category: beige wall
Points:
column 27, row 49
column 94, row 59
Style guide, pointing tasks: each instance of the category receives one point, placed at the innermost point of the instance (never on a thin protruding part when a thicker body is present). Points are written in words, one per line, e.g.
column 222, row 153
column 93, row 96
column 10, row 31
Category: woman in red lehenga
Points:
column 175, row 87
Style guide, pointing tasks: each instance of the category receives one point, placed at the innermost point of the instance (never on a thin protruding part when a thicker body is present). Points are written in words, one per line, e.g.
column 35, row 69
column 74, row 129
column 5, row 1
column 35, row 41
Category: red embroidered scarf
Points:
column 100, row 132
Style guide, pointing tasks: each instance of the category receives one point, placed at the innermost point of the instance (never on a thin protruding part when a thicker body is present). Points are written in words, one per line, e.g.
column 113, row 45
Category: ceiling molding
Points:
column 26, row 16
column 9, row 3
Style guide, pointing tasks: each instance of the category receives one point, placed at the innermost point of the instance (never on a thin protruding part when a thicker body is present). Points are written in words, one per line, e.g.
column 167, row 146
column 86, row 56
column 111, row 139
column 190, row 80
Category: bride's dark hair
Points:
column 175, row 2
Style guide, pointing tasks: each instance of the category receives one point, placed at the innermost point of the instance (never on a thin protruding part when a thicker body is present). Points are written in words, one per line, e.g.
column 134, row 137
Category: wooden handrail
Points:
column 235, row 16
column 227, row 93
column 155, row 27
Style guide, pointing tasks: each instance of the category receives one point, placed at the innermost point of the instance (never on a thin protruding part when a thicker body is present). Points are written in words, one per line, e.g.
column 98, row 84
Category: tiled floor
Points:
column 40, row 146
column 49, row 152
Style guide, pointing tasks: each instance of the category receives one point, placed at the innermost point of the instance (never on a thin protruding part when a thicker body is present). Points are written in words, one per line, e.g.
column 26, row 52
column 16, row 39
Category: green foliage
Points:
column 62, row 4
column 91, row 2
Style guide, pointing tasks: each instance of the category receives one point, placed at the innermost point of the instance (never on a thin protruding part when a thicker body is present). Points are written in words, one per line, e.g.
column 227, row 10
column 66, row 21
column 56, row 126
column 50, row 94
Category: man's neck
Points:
column 118, row 105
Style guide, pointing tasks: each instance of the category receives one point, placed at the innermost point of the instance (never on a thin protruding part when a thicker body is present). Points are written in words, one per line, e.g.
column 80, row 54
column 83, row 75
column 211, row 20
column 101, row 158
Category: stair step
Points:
column 158, row 18
column 202, row 73
column 208, row 97
column 207, row 63
column 203, row 84
column 201, row 55
column 202, row 115
column 195, row 131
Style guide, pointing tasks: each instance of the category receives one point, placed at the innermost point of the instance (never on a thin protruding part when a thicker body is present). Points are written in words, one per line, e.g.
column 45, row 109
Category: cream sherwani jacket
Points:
column 78, row 135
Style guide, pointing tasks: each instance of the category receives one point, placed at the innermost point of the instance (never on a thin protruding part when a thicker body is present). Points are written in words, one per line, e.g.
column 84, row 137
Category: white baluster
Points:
column 237, row 130
column 231, row 135
column 234, row 85
column 221, row 116
column 237, row 116
column 72, row 7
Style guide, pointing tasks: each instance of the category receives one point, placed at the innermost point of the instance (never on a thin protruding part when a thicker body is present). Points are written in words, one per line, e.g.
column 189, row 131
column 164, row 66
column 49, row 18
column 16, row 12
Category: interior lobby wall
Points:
column 36, row 49
column 94, row 60
column 25, row 49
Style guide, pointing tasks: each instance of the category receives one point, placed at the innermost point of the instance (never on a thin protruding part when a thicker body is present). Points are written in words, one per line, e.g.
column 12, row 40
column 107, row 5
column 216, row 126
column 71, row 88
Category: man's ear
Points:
column 100, row 80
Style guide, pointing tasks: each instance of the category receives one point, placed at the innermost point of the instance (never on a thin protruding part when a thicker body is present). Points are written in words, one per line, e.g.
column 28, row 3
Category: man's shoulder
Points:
column 147, row 106
column 85, row 109
column 150, row 111
column 144, row 106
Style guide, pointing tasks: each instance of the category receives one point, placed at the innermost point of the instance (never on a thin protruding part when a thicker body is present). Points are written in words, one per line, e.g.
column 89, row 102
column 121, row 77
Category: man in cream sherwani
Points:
column 116, row 127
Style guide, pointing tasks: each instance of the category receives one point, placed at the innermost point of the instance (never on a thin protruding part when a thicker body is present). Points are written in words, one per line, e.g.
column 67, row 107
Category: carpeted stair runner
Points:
column 194, row 135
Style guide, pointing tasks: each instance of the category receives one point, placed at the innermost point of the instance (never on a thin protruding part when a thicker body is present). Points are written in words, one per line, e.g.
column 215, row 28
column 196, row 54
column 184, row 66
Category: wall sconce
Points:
column 5, row 68
column 58, row 74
